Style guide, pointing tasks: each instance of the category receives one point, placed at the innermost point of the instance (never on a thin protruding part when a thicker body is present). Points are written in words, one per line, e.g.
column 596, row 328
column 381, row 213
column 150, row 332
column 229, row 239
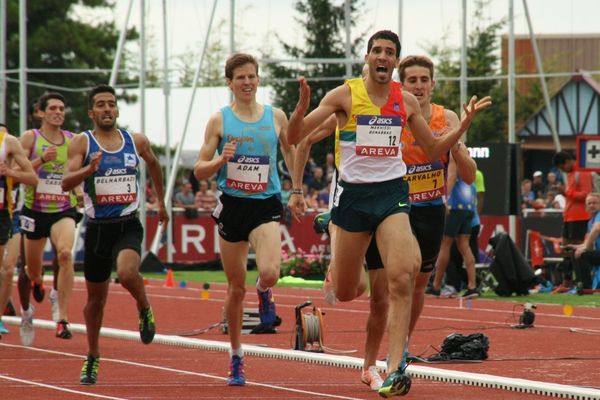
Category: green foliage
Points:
column 56, row 39
column 483, row 59
column 322, row 24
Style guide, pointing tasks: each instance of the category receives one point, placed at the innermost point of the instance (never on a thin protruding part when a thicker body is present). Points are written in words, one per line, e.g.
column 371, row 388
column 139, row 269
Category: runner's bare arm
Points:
column 333, row 102
column 23, row 173
column 142, row 145
column 287, row 151
column 466, row 166
column 207, row 164
column 75, row 173
column 434, row 147
column 296, row 202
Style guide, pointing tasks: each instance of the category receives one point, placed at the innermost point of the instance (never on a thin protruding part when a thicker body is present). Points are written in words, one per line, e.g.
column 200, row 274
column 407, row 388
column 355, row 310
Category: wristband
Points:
column 297, row 191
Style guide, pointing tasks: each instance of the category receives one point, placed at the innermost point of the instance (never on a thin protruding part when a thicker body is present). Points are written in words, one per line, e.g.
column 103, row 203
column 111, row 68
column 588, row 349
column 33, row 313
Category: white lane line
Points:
column 58, row 388
column 167, row 369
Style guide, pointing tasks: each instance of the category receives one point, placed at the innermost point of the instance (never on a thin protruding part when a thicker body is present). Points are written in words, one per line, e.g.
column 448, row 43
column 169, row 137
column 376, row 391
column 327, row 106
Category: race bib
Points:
column 49, row 189
column 27, row 224
column 378, row 136
column 425, row 181
column 248, row 173
column 116, row 189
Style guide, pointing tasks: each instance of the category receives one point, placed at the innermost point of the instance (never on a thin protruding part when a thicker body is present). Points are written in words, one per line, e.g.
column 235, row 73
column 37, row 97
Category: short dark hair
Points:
column 561, row 158
column 387, row 35
column 43, row 101
column 410, row 61
column 99, row 89
column 237, row 60
column 3, row 125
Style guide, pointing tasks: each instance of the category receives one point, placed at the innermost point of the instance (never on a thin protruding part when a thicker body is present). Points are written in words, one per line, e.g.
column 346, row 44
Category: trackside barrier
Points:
column 435, row 374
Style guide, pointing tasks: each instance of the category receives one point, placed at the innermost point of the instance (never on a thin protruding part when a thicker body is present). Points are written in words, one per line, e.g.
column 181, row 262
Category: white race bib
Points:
column 378, row 136
column 116, row 189
column 248, row 173
column 49, row 189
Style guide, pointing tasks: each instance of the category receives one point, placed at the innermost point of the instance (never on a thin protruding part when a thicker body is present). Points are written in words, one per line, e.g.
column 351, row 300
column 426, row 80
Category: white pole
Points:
column 231, row 35
column 142, row 83
column 538, row 62
column 348, row 39
column 400, row 9
column 3, row 61
column 115, row 68
column 22, row 65
column 167, row 92
column 512, row 223
column 171, row 181
column 463, row 59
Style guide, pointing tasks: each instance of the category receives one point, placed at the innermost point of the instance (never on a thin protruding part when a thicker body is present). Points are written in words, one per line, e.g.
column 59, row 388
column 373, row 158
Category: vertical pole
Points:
column 22, row 65
column 231, row 35
column 348, row 39
column 166, row 91
column 512, row 219
column 463, row 59
column 122, row 36
column 400, row 10
column 540, row 68
column 3, row 20
column 142, row 83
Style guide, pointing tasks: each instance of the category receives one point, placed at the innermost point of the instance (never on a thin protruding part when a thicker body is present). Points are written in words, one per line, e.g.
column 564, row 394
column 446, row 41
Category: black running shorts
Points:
column 236, row 217
column 104, row 240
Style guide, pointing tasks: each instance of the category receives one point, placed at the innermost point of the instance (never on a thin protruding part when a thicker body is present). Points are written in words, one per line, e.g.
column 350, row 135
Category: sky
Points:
column 424, row 22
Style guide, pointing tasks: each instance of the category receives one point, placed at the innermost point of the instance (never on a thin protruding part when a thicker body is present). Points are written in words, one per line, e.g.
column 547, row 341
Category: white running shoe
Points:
column 372, row 378
column 54, row 304
column 26, row 331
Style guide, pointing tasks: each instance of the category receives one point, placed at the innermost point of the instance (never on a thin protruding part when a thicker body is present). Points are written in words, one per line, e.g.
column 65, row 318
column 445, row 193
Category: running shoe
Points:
column 372, row 378
column 62, row 330
column 89, row 372
column 433, row 292
column 147, row 325
column 26, row 331
column 53, row 296
column 396, row 384
column 38, row 291
column 9, row 310
column 321, row 222
column 3, row 328
column 328, row 290
column 471, row 293
column 236, row 372
column 266, row 307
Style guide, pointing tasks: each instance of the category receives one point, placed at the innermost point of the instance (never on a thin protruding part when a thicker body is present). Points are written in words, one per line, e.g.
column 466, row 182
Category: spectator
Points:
column 587, row 254
column 185, row 199
column 554, row 183
column 311, row 198
column 329, row 167
column 286, row 190
column 205, row 198
column 323, row 197
column 318, row 181
column 555, row 200
column 527, row 196
column 575, row 216
column 537, row 186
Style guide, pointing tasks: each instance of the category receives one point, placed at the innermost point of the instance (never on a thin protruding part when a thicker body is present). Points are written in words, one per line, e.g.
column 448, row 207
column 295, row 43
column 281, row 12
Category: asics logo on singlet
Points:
column 413, row 169
column 115, row 171
column 250, row 160
column 380, row 120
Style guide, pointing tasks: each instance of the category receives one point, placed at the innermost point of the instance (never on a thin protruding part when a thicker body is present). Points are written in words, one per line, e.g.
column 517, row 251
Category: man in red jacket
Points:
column 575, row 216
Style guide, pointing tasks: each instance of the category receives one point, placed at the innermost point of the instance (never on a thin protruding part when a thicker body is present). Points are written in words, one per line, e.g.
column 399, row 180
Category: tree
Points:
column 55, row 39
column 482, row 60
column 323, row 26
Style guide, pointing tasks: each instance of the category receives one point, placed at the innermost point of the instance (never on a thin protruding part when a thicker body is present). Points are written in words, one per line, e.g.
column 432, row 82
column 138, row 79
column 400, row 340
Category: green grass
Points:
column 545, row 298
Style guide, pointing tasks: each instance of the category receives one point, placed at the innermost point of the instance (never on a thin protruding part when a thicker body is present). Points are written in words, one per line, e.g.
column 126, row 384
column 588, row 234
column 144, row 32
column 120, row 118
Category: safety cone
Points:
column 169, row 281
